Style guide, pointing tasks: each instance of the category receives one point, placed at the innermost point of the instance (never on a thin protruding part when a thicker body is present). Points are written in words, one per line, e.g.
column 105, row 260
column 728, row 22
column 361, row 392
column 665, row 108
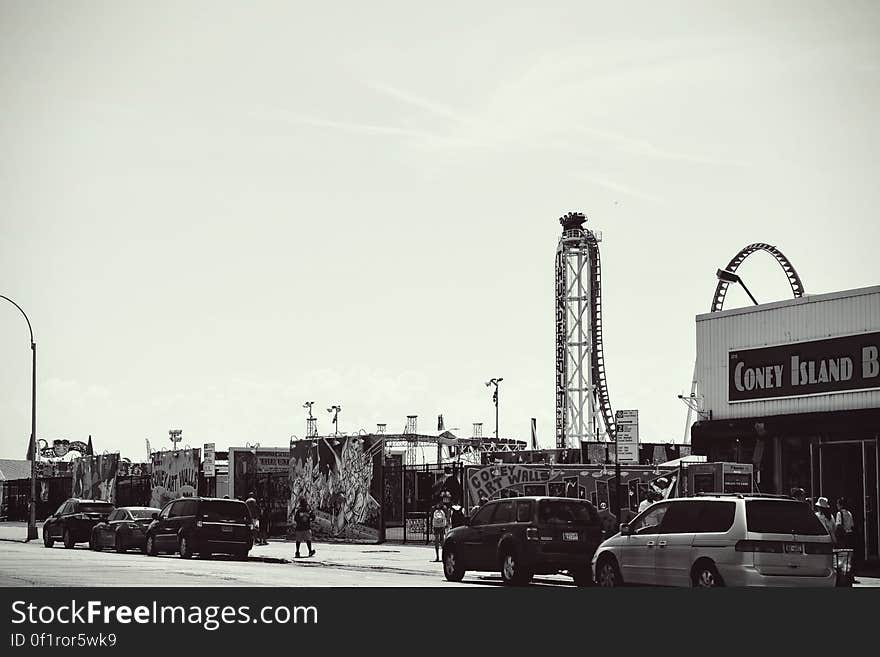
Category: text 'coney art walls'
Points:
column 175, row 474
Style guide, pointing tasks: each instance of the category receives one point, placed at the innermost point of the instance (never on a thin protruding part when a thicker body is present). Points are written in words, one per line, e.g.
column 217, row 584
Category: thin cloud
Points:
column 601, row 181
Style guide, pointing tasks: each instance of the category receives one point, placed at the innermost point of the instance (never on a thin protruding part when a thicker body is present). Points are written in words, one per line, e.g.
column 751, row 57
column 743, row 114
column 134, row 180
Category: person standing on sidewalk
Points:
column 844, row 526
column 823, row 513
column 265, row 514
column 439, row 523
column 303, row 519
column 254, row 509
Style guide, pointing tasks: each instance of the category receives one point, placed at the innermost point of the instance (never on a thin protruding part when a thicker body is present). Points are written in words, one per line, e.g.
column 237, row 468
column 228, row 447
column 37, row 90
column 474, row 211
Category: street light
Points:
column 731, row 277
column 495, row 382
column 335, row 410
column 32, row 507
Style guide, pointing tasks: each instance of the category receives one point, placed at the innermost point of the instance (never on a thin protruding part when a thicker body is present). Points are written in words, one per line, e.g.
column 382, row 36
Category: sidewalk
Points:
column 405, row 559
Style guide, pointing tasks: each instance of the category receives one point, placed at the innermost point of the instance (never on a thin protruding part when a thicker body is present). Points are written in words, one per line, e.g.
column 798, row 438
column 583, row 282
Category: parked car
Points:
column 203, row 526
column 72, row 523
column 525, row 536
column 719, row 540
column 124, row 529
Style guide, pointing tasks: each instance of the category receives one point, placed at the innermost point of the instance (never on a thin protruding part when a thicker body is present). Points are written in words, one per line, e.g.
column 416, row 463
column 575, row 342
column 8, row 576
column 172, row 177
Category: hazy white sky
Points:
column 213, row 212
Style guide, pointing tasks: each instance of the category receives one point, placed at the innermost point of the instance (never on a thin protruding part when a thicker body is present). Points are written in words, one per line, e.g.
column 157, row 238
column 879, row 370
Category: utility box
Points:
column 720, row 478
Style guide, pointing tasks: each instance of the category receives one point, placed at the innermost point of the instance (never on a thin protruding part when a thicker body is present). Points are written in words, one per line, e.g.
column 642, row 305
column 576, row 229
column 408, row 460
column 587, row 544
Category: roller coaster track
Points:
column 797, row 287
column 598, row 355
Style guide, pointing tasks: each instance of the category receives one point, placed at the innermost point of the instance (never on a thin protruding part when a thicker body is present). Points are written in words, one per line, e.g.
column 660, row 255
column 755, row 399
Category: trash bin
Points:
column 843, row 559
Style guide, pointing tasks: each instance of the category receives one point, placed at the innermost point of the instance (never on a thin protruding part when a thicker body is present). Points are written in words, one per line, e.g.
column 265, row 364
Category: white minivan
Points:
column 719, row 540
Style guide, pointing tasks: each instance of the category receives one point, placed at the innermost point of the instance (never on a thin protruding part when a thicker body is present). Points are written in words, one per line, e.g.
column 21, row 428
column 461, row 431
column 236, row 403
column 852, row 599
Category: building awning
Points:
column 692, row 458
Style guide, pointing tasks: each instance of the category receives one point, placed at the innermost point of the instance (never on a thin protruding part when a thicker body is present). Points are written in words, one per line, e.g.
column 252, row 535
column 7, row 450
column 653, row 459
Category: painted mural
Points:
column 94, row 477
column 174, row 474
column 587, row 482
column 340, row 477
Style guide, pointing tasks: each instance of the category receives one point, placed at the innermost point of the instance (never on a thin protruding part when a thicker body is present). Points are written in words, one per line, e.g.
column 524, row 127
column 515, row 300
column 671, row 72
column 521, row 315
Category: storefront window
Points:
column 795, row 464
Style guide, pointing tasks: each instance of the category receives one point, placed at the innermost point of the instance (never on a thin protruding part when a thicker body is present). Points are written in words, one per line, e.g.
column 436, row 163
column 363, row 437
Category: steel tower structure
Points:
column 583, row 408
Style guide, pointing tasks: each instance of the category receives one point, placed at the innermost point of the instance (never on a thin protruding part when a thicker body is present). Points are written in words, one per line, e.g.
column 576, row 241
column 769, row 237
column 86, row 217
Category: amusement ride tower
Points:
column 583, row 408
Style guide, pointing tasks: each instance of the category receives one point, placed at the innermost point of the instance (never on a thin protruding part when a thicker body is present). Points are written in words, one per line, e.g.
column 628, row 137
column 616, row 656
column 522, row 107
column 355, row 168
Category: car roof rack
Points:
column 744, row 495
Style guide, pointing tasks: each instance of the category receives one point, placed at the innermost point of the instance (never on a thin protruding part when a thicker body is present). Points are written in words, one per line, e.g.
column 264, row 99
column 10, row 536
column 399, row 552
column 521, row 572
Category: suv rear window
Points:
column 563, row 512
column 95, row 507
column 219, row 510
column 778, row 517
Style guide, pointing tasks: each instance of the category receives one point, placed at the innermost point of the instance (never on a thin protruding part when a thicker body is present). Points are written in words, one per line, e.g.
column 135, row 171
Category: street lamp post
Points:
column 335, row 410
column 495, row 382
column 32, row 507
column 732, row 277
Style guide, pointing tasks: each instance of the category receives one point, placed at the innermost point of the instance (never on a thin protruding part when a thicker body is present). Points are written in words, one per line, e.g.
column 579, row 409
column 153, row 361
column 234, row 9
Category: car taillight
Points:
column 773, row 547
column 532, row 534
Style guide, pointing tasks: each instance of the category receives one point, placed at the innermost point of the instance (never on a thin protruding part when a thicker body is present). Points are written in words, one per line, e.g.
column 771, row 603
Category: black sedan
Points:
column 124, row 529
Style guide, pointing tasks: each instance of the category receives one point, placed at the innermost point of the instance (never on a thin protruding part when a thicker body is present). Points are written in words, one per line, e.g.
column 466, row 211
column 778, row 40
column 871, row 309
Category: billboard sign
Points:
column 627, row 449
column 816, row 367
column 208, row 464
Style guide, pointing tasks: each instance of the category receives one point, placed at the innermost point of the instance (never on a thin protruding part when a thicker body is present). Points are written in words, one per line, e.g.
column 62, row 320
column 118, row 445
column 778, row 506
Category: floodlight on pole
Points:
column 732, row 277
column 495, row 382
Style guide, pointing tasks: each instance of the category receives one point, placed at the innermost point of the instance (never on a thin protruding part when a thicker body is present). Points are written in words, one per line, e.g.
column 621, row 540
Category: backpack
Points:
column 438, row 519
column 458, row 517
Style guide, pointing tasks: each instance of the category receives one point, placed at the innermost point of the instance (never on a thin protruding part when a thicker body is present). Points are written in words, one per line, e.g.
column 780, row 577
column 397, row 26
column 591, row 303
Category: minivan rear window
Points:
column 219, row 510
column 559, row 512
column 780, row 517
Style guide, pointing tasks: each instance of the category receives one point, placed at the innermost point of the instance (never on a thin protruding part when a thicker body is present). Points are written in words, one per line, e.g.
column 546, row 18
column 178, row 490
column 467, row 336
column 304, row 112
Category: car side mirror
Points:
column 155, row 516
column 625, row 529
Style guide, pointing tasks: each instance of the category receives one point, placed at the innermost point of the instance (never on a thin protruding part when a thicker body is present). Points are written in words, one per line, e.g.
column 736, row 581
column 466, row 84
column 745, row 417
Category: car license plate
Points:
column 794, row 548
column 569, row 536
column 226, row 530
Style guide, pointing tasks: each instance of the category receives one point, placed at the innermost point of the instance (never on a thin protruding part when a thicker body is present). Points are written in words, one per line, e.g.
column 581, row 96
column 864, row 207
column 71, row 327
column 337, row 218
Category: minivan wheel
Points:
column 452, row 567
column 512, row 571
column 151, row 546
column 185, row 549
column 705, row 575
column 47, row 539
column 608, row 574
column 68, row 539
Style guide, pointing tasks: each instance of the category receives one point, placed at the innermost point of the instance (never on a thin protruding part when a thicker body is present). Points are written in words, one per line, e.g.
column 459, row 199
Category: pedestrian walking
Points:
column 823, row 513
column 456, row 516
column 303, row 518
column 608, row 520
column 265, row 515
column 439, row 523
column 844, row 525
column 254, row 509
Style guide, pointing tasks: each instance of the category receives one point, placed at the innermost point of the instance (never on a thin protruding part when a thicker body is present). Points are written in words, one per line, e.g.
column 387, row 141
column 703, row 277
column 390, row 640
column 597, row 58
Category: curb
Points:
column 346, row 566
column 14, row 540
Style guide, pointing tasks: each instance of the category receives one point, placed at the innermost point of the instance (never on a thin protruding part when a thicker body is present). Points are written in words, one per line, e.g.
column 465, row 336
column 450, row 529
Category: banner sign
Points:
column 627, row 423
column 94, row 477
column 208, row 464
column 245, row 463
column 815, row 367
column 175, row 474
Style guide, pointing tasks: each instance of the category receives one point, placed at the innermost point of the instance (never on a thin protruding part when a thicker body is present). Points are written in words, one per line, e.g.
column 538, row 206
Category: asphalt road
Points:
column 32, row 564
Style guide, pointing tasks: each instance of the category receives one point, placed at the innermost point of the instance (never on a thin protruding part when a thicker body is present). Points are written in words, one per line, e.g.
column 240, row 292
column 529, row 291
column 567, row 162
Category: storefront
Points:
column 793, row 387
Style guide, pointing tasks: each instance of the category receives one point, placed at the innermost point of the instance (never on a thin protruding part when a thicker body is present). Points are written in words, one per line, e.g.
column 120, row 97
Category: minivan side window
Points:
column 482, row 515
column 649, row 522
column 698, row 517
column 524, row 511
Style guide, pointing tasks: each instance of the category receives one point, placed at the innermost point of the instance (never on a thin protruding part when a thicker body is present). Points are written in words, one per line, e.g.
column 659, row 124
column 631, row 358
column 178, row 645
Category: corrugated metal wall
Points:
column 796, row 320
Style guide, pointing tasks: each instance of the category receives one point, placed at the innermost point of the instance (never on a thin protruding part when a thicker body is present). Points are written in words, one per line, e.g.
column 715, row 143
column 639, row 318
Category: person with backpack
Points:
column 439, row 523
column 303, row 518
column 457, row 517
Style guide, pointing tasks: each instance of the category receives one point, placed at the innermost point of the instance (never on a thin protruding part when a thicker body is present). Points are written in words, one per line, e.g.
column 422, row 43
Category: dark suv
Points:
column 203, row 526
column 526, row 536
column 73, row 521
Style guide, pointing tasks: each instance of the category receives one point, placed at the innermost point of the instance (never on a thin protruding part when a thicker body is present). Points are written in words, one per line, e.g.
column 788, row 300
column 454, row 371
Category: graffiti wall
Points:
column 586, row 482
column 94, row 477
column 341, row 480
column 174, row 474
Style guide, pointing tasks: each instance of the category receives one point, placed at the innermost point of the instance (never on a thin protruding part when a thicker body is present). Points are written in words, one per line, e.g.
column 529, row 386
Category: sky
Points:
column 213, row 212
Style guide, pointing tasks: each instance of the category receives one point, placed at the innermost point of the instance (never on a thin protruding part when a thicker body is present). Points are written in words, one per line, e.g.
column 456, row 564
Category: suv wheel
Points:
column 452, row 567
column 68, row 539
column 185, row 548
column 513, row 572
column 608, row 574
column 150, row 547
column 705, row 575
column 47, row 538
